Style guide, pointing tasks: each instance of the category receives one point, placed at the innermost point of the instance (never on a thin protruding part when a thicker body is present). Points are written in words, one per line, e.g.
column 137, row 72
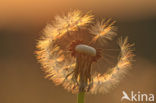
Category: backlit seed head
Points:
column 81, row 56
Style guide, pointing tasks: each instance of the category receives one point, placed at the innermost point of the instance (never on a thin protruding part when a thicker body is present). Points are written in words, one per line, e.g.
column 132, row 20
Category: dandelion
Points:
column 73, row 50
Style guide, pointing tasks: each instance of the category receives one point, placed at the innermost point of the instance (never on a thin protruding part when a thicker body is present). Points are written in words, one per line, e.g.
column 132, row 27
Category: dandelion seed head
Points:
column 71, row 56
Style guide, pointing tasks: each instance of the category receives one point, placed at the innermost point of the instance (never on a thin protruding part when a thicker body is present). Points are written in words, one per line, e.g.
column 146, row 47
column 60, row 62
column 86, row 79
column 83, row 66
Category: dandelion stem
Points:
column 81, row 97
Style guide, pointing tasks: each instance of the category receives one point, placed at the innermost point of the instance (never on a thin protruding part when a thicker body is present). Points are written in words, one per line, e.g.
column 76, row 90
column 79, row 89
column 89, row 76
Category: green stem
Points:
column 81, row 97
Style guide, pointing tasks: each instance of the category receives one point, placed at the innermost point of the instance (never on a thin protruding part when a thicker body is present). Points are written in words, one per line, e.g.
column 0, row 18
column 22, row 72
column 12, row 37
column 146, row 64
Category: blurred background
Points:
column 21, row 24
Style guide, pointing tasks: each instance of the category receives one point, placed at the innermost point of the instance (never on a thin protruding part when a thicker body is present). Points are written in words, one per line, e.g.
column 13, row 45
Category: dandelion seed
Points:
column 71, row 56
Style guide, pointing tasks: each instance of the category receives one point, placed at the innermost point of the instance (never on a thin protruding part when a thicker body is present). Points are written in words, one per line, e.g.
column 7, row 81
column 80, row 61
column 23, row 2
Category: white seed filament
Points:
column 85, row 49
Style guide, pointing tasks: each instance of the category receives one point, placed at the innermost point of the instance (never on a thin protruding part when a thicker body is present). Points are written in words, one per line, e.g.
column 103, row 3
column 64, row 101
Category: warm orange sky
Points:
column 12, row 10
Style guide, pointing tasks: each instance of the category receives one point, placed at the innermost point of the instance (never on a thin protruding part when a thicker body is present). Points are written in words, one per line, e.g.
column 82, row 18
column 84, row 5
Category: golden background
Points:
column 21, row 23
